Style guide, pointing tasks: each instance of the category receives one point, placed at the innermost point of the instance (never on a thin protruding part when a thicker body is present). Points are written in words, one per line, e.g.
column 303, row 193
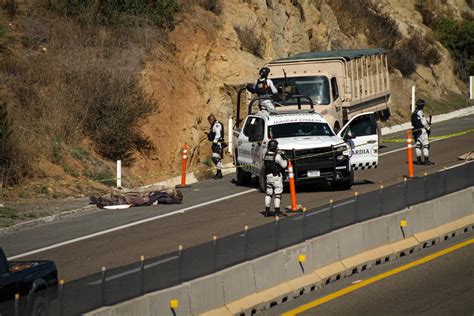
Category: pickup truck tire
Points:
column 39, row 306
column 345, row 184
column 243, row 177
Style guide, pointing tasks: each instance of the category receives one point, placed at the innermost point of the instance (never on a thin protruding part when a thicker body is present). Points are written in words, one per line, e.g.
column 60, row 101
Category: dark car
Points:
column 34, row 281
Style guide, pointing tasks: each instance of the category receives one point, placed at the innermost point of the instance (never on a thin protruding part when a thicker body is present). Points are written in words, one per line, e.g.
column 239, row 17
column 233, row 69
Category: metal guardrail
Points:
column 117, row 285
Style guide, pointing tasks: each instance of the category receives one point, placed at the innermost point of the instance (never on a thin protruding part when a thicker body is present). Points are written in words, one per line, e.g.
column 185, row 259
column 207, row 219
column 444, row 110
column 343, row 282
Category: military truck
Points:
column 341, row 83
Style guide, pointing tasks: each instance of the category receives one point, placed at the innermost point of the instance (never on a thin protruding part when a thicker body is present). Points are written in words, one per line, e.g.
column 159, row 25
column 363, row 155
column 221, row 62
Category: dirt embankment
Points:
column 192, row 71
column 210, row 53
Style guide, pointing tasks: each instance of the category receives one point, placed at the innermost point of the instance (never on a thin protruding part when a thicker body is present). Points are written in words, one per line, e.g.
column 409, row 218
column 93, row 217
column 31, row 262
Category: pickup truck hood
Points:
column 308, row 142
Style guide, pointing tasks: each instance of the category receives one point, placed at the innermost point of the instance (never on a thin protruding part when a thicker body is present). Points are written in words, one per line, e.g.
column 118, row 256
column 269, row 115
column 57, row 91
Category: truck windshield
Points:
column 299, row 129
column 316, row 87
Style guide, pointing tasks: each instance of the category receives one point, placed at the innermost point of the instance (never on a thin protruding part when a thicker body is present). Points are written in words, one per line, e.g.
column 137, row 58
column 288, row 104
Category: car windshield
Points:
column 299, row 129
column 316, row 87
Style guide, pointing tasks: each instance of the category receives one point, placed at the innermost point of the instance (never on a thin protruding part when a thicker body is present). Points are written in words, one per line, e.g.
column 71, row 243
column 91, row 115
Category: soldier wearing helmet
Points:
column 265, row 88
column 421, row 131
column 216, row 136
column 274, row 164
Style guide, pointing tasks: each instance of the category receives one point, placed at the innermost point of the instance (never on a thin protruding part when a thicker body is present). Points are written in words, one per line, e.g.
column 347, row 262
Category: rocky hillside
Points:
column 193, row 67
column 215, row 51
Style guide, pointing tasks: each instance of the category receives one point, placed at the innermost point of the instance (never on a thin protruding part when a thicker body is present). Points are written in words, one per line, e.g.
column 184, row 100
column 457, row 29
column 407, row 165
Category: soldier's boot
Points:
column 218, row 175
column 278, row 212
column 267, row 211
column 418, row 161
column 428, row 162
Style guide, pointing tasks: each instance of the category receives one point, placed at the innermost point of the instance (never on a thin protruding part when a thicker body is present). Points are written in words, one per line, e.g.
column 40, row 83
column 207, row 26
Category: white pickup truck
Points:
column 304, row 136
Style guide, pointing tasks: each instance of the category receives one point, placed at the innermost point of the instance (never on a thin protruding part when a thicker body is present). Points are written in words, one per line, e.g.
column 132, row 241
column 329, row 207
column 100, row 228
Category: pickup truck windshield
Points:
column 299, row 129
column 316, row 87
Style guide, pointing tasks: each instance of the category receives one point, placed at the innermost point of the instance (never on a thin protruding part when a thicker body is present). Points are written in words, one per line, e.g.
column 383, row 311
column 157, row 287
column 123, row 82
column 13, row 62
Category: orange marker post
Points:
column 291, row 175
column 410, row 153
column 184, row 162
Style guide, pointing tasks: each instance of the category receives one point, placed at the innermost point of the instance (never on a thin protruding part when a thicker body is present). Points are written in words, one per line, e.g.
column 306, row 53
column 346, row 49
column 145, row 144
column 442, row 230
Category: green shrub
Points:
column 215, row 6
column 5, row 144
column 115, row 12
column 101, row 175
column 413, row 51
column 356, row 15
column 403, row 60
column 458, row 37
column 249, row 41
column 115, row 106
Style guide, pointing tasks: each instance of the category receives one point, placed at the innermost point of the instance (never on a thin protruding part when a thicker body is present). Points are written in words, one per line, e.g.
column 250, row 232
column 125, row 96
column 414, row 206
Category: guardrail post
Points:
column 246, row 230
column 142, row 275
column 471, row 87
column 277, row 228
column 304, row 223
column 60, row 297
column 445, row 180
column 381, row 200
column 425, row 186
column 410, row 153
column 356, row 204
column 214, row 252
column 230, row 136
column 17, row 304
column 331, row 219
column 184, row 161
column 119, row 174
column 103, row 286
column 405, row 192
column 180, row 263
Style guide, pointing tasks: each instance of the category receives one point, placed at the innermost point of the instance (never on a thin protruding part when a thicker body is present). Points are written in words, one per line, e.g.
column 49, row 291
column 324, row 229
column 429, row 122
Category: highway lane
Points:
column 201, row 223
column 441, row 286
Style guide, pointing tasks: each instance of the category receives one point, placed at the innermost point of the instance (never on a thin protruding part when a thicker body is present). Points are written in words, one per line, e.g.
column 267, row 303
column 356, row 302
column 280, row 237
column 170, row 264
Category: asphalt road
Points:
column 442, row 286
column 209, row 209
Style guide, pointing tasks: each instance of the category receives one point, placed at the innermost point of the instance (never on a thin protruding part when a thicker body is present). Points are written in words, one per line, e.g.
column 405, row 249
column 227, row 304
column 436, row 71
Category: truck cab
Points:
column 341, row 83
column 316, row 151
column 34, row 281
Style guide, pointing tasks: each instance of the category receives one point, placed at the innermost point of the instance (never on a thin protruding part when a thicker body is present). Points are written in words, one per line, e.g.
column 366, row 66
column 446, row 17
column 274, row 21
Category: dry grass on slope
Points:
column 64, row 81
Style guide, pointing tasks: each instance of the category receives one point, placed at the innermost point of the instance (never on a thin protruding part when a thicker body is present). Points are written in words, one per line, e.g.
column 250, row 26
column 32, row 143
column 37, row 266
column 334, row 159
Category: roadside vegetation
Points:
column 70, row 79
column 381, row 30
column 456, row 35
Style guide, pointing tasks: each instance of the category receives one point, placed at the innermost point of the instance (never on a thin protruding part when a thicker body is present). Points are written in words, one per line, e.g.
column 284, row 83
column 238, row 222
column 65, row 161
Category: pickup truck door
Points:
column 361, row 134
column 244, row 146
column 259, row 145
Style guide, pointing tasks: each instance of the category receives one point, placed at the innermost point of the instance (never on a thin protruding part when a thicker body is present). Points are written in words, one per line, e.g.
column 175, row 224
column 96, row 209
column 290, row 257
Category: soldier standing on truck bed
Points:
column 216, row 136
column 275, row 163
column 421, row 131
column 265, row 88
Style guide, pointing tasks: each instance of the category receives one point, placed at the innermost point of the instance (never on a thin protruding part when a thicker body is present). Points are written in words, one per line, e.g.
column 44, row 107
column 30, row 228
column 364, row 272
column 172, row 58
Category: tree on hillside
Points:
column 5, row 143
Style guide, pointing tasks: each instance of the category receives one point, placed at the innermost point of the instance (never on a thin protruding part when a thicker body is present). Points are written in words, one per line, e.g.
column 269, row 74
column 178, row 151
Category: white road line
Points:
column 405, row 148
column 67, row 242
column 459, row 164
column 164, row 215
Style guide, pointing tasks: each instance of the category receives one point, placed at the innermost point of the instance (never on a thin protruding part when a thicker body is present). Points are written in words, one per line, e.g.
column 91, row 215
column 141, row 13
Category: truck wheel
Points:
column 243, row 177
column 39, row 306
column 345, row 184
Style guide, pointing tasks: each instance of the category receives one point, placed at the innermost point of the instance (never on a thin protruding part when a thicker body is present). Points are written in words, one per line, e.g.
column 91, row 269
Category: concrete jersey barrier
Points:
column 275, row 278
